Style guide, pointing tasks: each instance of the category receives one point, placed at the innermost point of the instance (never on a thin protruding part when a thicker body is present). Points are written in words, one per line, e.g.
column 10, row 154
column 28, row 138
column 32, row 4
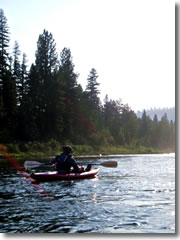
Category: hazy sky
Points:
column 131, row 43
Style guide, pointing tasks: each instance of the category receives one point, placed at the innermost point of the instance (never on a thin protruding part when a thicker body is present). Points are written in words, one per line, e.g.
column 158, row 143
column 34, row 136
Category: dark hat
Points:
column 67, row 149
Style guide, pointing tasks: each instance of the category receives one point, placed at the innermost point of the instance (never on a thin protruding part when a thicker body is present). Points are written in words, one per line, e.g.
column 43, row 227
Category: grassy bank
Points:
column 36, row 149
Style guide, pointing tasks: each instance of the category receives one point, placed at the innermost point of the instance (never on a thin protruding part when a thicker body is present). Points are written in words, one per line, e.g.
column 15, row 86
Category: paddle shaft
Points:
column 111, row 164
column 34, row 164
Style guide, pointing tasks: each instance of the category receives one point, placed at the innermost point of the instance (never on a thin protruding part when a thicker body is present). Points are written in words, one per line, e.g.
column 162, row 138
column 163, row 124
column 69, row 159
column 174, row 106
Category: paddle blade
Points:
column 110, row 164
column 32, row 164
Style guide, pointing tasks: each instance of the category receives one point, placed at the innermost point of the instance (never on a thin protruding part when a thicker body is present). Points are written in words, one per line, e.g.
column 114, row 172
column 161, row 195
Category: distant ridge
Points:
column 159, row 112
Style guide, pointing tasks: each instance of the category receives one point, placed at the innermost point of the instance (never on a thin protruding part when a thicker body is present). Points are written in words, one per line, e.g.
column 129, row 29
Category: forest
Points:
column 45, row 103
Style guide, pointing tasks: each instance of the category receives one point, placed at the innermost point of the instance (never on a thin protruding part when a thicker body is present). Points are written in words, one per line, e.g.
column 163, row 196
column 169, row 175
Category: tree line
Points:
column 46, row 102
column 159, row 112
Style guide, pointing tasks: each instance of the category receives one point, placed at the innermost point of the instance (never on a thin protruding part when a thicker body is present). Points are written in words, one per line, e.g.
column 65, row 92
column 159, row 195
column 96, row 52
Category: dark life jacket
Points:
column 64, row 163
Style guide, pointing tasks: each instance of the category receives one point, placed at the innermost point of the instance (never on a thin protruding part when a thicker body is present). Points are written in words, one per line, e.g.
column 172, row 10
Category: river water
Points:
column 136, row 197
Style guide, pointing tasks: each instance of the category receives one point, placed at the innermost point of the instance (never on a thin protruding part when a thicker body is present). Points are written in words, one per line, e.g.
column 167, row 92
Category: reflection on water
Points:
column 136, row 197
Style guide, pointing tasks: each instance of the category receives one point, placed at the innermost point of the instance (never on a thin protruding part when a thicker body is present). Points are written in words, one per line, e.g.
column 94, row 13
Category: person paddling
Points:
column 64, row 162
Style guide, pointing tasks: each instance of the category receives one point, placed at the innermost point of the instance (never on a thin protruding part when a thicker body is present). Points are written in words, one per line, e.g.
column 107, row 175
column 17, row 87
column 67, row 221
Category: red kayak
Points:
column 54, row 176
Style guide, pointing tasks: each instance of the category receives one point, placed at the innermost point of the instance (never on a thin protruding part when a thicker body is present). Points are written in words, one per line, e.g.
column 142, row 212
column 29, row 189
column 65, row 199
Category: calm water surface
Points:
column 136, row 197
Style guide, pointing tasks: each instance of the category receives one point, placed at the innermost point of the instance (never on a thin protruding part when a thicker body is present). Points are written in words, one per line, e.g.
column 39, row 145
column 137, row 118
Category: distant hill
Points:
column 159, row 112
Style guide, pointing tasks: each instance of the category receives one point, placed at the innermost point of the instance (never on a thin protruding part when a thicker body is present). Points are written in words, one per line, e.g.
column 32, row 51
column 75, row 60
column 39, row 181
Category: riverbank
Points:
column 43, row 150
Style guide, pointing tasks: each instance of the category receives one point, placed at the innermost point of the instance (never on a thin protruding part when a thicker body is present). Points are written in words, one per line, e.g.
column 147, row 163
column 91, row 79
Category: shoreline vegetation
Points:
column 45, row 151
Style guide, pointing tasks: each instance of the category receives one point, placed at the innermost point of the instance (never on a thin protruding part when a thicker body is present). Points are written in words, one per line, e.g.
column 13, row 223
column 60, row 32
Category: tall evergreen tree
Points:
column 129, row 126
column 46, row 56
column 93, row 100
column 7, row 83
column 94, row 111
column 31, row 107
column 71, row 93
column 145, row 129
column 23, row 90
column 43, row 75
column 155, row 119
column 9, row 103
column 66, row 70
column 92, row 89
column 17, row 70
column 155, row 134
column 4, row 45
column 165, row 130
column 24, row 103
column 110, row 113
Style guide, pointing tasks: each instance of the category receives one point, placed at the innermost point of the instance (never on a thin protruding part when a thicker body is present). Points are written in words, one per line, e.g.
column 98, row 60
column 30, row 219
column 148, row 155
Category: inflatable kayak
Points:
column 54, row 176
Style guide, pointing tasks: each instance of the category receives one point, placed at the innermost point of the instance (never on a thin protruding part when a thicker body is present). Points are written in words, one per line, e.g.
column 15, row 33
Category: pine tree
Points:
column 46, row 56
column 17, row 70
column 110, row 112
column 23, row 90
column 24, row 103
column 31, row 108
column 145, row 129
column 7, row 83
column 129, row 126
column 66, row 70
column 93, row 104
column 165, row 131
column 9, row 103
column 43, row 75
column 71, row 94
column 155, row 119
column 155, row 132
column 92, row 89
column 4, row 45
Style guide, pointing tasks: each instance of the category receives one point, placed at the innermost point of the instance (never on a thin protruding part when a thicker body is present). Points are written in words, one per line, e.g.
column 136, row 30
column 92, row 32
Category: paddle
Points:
column 34, row 164
column 110, row 164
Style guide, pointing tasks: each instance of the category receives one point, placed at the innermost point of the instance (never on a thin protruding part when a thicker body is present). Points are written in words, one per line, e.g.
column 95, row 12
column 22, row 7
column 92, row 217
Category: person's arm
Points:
column 53, row 161
column 74, row 165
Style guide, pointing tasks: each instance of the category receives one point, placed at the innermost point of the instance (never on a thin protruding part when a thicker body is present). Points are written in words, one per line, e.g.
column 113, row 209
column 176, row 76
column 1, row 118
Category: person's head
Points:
column 67, row 149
